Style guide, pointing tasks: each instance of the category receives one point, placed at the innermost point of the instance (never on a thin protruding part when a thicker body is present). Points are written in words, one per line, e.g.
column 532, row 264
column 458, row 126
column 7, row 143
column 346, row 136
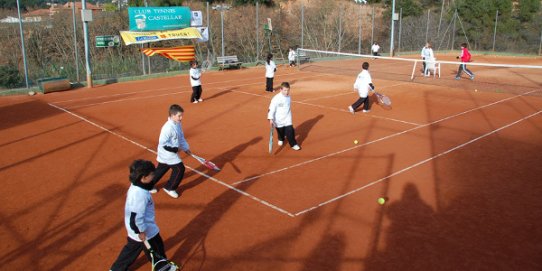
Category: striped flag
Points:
column 181, row 53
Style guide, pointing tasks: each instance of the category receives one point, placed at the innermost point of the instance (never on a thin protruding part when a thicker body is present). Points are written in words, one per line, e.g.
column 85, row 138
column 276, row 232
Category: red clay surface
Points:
column 460, row 168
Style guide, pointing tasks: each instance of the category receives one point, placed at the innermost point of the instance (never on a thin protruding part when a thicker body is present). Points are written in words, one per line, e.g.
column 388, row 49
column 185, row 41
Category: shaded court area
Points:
column 459, row 168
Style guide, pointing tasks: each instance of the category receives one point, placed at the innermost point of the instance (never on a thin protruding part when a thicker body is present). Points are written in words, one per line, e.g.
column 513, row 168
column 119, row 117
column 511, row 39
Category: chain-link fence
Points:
column 54, row 49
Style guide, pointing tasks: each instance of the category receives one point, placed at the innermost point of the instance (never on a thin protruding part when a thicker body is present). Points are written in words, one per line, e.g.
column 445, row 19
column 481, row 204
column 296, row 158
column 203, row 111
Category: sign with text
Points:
column 107, row 41
column 131, row 37
column 158, row 18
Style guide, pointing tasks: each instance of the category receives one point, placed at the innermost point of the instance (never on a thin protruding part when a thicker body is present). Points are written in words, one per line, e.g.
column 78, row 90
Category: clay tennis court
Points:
column 460, row 170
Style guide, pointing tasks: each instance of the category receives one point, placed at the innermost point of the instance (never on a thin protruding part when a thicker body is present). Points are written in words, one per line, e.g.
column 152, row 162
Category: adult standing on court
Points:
column 270, row 69
column 139, row 217
column 280, row 116
column 465, row 57
column 375, row 48
column 171, row 141
column 291, row 57
column 195, row 82
column 427, row 55
column 363, row 84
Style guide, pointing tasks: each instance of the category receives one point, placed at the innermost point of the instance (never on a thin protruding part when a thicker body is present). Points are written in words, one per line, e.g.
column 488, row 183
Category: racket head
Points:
column 271, row 140
column 211, row 165
column 383, row 99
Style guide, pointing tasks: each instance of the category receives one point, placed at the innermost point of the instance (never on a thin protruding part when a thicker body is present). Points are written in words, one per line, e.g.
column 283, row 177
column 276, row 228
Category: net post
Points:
column 413, row 70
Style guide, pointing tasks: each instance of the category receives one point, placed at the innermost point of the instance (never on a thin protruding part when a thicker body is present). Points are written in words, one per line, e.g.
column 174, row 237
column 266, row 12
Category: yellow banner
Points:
column 131, row 37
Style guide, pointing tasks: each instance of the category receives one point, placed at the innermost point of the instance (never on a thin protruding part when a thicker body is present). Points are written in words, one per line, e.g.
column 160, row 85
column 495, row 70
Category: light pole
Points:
column 22, row 44
column 222, row 8
column 392, row 26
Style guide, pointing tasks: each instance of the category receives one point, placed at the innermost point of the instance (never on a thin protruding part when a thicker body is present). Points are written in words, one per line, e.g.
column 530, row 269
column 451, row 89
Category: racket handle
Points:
column 147, row 245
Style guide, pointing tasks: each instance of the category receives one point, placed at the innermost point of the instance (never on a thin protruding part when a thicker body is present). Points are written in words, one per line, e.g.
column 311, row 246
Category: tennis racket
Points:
column 271, row 139
column 383, row 99
column 159, row 263
column 206, row 163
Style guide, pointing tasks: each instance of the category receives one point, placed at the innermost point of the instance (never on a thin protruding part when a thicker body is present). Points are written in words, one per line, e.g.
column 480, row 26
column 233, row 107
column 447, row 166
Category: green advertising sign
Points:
column 158, row 18
column 107, row 41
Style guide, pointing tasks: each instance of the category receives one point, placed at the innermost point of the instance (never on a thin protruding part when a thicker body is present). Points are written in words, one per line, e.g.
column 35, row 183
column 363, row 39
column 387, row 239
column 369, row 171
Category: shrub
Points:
column 10, row 77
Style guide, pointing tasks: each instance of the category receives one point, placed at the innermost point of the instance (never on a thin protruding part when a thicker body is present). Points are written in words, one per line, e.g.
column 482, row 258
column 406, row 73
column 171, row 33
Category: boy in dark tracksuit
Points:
column 139, row 216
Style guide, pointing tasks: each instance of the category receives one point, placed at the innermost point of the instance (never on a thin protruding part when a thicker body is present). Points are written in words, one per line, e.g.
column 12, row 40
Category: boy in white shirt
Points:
column 280, row 116
column 195, row 82
column 363, row 85
column 171, row 141
column 270, row 69
column 139, row 217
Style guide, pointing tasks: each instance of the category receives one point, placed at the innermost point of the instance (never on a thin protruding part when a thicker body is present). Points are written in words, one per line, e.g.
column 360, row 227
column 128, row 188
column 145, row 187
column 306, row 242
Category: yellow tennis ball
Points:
column 356, row 141
column 381, row 201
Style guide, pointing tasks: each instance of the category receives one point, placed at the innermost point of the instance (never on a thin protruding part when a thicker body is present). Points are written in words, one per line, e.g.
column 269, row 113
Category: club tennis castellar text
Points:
column 159, row 14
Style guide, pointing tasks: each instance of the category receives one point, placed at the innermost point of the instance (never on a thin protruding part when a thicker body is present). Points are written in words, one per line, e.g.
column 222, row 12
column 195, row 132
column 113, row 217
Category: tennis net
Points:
column 492, row 73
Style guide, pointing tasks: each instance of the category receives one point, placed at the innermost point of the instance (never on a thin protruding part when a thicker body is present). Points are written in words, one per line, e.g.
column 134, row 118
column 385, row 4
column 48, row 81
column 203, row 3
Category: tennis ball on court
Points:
column 476, row 90
column 381, row 201
column 356, row 141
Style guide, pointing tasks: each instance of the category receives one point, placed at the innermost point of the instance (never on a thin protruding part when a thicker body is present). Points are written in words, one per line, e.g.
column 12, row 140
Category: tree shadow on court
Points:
column 193, row 236
column 304, row 128
column 328, row 254
column 271, row 253
column 220, row 160
column 26, row 112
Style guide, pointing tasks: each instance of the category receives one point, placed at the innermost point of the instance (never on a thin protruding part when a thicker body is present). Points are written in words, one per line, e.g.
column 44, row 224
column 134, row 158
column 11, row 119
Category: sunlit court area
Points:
column 441, row 172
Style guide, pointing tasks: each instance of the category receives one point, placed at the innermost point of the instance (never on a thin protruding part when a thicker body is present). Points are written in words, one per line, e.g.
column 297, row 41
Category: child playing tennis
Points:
column 280, row 116
column 171, row 141
column 270, row 69
column 195, row 75
column 291, row 57
column 363, row 84
column 465, row 57
column 139, row 217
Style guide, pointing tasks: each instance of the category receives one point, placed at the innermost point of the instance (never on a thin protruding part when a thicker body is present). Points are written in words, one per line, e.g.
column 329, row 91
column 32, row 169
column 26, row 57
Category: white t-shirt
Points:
column 139, row 212
column 427, row 53
column 375, row 48
column 280, row 111
column 195, row 73
column 362, row 83
column 291, row 56
column 270, row 69
column 171, row 135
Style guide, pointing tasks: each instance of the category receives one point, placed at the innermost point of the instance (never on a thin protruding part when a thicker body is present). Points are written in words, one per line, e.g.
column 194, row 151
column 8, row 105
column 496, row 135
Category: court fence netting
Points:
column 491, row 77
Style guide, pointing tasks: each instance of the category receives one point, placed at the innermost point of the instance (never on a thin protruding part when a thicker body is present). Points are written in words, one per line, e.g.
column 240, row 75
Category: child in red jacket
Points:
column 465, row 57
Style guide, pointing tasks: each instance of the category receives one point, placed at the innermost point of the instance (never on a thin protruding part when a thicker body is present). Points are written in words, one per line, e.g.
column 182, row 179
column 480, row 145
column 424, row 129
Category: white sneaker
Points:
column 296, row 148
column 172, row 193
column 153, row 191
column 351, row 109
column 200, row 100
column 195, row 102
column 280, row 142
column 365, row 111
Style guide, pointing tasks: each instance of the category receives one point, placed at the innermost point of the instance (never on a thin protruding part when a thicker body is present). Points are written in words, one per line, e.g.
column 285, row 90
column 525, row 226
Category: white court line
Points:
column 349, row 92
column 197, row 171
column 414, row 165
column 172, row 93
column 156, row 89
column 378, row 140
column 128, row 99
